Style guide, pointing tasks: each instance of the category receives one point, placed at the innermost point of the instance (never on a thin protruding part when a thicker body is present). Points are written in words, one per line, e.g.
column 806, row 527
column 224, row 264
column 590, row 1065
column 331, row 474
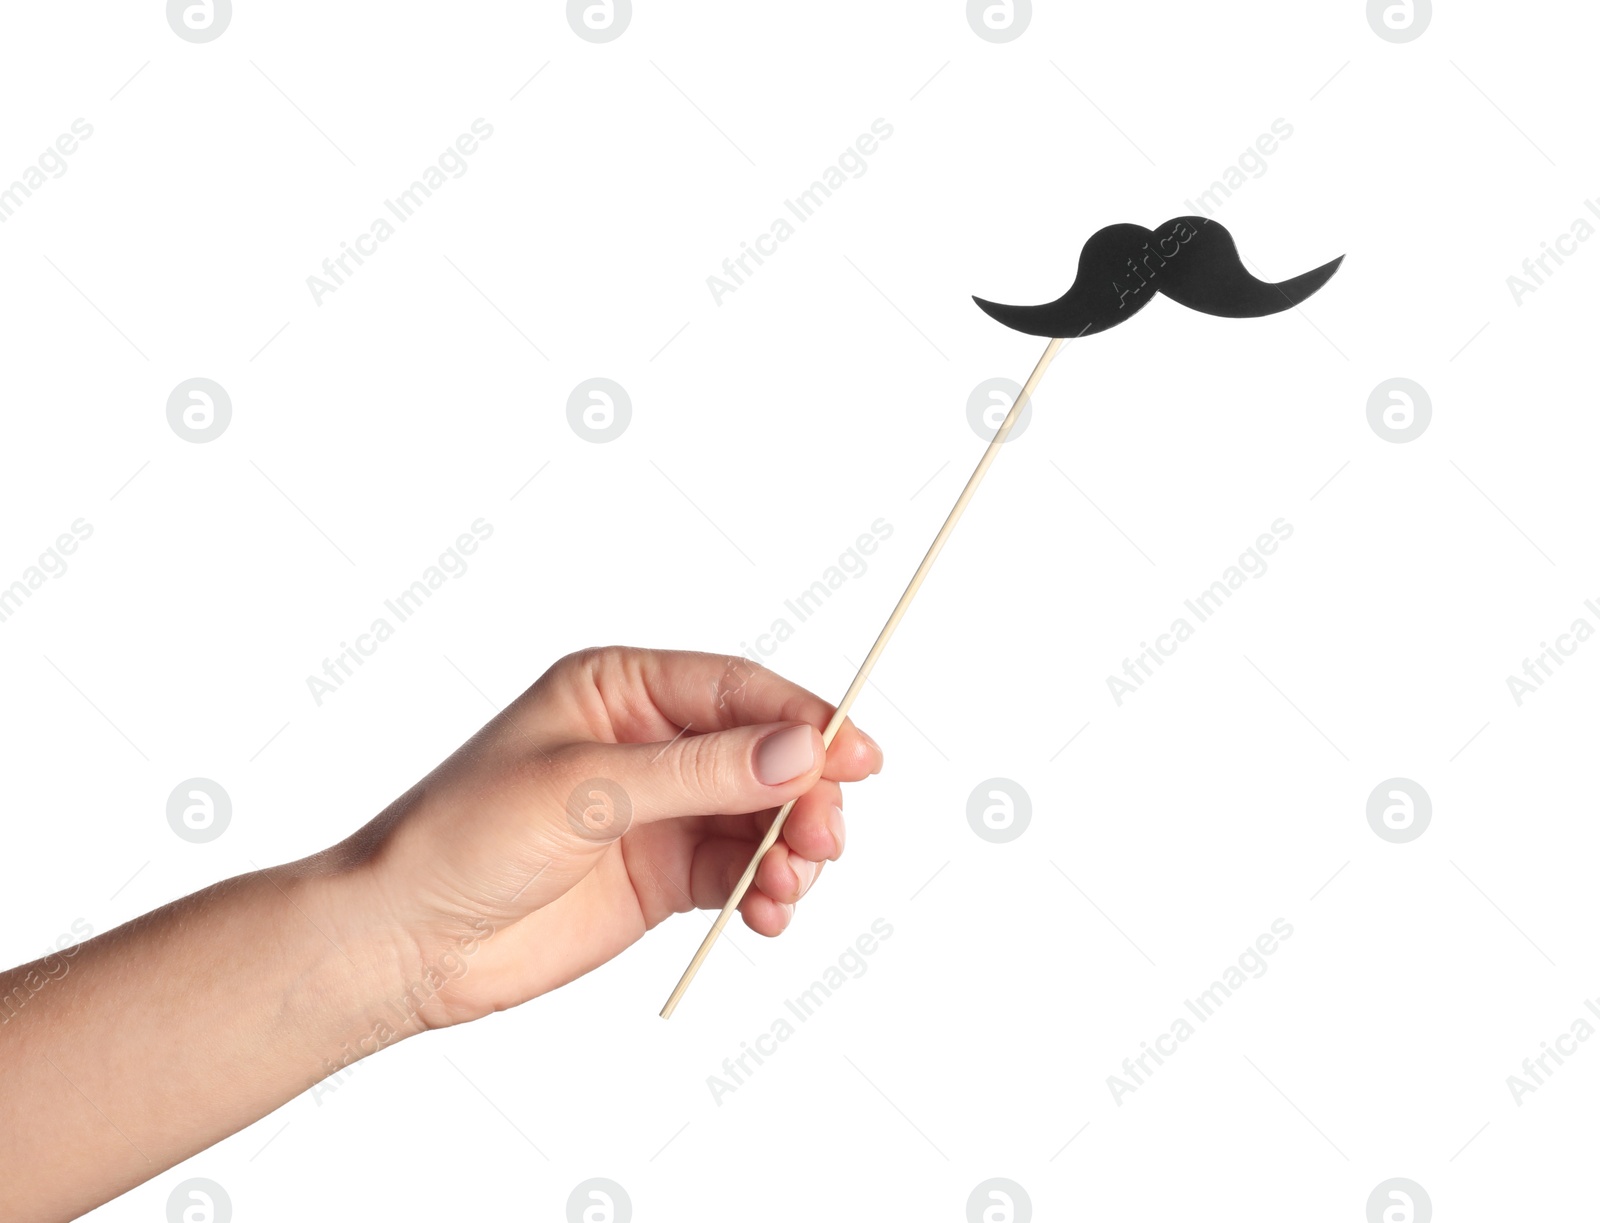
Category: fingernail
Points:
column 836, row 826
column 784, row 756
column 873, row 744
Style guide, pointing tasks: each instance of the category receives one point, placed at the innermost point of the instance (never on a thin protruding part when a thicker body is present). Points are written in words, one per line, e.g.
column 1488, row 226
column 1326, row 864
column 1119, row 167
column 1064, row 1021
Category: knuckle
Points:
column 700, row 768
column 738, row 673
column 585, row 794
column 563, row 770
column 580, row 661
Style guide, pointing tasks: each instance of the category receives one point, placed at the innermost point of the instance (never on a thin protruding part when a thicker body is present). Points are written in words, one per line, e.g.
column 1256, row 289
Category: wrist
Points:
column 406, row 977
column 353, row 958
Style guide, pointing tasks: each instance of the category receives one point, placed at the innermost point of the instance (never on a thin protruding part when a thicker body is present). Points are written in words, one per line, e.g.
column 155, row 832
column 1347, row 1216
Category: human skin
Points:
column 503, row 874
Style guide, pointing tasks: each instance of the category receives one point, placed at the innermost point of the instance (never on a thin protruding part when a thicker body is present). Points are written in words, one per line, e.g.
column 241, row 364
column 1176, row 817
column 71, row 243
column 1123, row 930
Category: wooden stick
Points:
column 843, row 710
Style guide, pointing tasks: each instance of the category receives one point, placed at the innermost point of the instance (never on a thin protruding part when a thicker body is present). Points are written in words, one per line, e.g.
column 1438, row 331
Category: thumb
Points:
column 725, row 772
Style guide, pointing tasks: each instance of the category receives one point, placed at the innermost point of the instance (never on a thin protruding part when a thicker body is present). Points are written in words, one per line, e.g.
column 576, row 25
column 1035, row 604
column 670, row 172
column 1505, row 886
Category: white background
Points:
column 767, row 433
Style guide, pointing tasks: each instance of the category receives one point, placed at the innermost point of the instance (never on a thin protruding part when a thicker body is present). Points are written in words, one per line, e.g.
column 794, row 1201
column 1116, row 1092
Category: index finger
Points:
column 706, row 692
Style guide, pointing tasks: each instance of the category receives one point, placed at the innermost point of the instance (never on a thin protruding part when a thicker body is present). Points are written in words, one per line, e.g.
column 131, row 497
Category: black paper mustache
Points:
column 1191, row 259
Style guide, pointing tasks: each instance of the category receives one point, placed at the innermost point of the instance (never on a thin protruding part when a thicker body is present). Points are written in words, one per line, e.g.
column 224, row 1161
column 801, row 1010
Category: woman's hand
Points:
column 624, row 786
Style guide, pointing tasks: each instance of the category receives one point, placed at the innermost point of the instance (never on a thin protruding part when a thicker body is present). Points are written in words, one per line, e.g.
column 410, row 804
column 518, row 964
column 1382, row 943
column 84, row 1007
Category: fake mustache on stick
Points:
column 1191, row 259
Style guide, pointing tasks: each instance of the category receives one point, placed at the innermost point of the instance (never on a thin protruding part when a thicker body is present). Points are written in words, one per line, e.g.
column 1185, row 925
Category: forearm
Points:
column 167, row 1034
